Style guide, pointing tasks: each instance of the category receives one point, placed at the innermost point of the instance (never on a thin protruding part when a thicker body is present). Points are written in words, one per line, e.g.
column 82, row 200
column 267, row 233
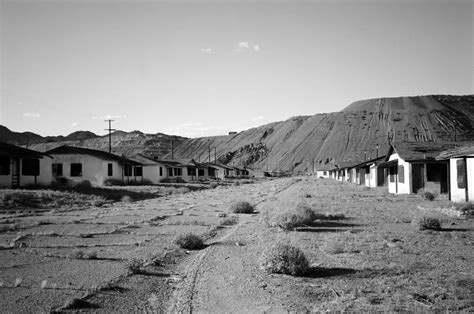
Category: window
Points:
column 461, row 168
column 392, row 171
column 4, row 165
column 30, row 167
column 170, row 172
column 110, row 170
column 324, row 173
column 200, row 172
column 57, row 170
column 161, row 171
column 138, row 171
column 191, row 171
column 76, row 170
column 127, row 169
column 401, row 174
column 178, row 171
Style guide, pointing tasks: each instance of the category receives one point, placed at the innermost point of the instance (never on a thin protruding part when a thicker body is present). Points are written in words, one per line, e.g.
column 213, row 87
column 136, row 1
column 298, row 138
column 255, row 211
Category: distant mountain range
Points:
column 360, row 131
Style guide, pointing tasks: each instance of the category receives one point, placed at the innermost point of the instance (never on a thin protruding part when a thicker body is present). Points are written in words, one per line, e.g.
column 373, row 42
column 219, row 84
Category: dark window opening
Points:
column 191, row 171
column 461, row 173
column 401, row 174
column 30, row 167
column 161, row 171
column 200, row 172
column 177, row 171
column 57, row 170
column 76, row 170
column 392, row 172
column 170, row 172
column 110, row 170
column 4, row 165
column 127, row 169
column 138, row 171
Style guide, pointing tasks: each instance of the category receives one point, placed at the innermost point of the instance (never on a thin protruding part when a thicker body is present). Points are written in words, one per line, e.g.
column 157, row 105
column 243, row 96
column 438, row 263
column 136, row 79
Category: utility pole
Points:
column 209, row 153
column 110, row 133
column 215, row 155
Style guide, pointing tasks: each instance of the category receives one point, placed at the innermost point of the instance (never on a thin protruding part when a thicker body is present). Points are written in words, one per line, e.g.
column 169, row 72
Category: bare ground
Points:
column 373, row 260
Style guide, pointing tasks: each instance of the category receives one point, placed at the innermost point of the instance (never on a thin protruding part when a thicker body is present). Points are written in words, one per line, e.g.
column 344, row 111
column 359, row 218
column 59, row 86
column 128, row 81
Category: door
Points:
column 418, row 174
column 15, row 172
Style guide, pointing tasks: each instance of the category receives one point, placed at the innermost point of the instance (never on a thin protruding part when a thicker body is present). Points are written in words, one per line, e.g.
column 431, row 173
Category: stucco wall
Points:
column 457, row 194
column 398, row 187
column 93, row 169
column 44, row 177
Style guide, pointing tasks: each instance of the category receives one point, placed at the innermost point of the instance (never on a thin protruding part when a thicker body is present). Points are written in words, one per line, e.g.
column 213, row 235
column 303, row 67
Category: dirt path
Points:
column 224, row 277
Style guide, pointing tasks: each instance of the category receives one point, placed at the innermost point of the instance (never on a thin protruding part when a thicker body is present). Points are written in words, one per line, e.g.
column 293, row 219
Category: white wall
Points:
column 457, row 194
column 322, row 173
column 93, row 169
column 44, row 177
column 397, row 186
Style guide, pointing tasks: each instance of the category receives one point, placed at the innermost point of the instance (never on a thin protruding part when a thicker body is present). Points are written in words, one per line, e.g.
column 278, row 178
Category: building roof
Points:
column 467, row 149
column 376, row 161
column 16, row 151
column 413, row 151
column 69, row 150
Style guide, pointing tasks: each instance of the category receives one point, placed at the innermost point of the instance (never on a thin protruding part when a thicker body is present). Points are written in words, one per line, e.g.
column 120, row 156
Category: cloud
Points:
column 74, row 124
column 208, row 50
column 243, row 45
column 195, row 129
column 259, row 118
column 256, row 48
column 31, row 115
column 109, row 117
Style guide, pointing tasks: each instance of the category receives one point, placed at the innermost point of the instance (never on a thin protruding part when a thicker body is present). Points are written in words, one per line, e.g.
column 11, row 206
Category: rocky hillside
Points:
column 361, row 130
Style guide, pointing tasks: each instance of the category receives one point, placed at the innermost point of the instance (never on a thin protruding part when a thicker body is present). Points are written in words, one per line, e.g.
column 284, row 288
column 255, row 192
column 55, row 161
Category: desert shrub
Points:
column 306, row 213
column 213, row 185
column 285, row 259
column 172, row 180
column 84, row 184
column 242, row 208
column 287, row 221
column 426, row 195
column 111, row 182
column 189, row 241
column 134, row 265
column 78, row 254
column 466, row 209
column 425, row 223
column 237, row 183
column 126, row 199
column 229, row 221
column 307, row 195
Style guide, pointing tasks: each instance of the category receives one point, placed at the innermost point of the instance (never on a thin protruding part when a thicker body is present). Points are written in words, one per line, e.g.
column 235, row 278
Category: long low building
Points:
column 21, row 167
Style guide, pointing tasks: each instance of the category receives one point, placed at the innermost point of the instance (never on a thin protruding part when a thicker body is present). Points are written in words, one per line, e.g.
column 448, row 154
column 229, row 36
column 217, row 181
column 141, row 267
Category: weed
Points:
column 285, row 259
column 237, row 183
column 189, row 241
column 134, row 265
column 466, row 209
column 242, row 208
column 84, row 184
column 78, row 254
column 213, row 185
column 426, row 195
column 229, row 221
column 426, row 223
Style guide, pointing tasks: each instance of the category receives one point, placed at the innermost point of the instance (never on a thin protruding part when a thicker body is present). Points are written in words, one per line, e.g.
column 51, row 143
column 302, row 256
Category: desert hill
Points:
column 361, row 130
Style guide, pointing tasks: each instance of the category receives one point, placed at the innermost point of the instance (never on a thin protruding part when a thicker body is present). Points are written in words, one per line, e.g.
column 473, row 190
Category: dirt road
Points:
column 372, row 260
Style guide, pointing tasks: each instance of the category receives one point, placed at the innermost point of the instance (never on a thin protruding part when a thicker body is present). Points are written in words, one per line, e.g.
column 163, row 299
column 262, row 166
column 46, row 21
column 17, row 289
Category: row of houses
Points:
column 20, row 167
column 445, row 168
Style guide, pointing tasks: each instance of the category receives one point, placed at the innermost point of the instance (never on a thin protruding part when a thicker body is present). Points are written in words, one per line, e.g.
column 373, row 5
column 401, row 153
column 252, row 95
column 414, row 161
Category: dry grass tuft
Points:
column 189, row 241
column 134, row 265
column 285, row 259
column 466, row 209
column 426, row 223
column 229, row 221
column 242, row 208
column 78, row 254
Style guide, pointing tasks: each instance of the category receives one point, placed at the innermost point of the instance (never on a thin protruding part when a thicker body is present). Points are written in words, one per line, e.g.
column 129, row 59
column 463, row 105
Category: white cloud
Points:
column 31, row 115
column 109, row 117
column 243, row 45
column 256, row 48
column 195, row 129
column 259, row 118
column 208, row 50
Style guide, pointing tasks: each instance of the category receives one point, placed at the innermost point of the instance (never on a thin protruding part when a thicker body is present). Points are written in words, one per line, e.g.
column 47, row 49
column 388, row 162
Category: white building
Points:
column 96, row 166
column 20, row 167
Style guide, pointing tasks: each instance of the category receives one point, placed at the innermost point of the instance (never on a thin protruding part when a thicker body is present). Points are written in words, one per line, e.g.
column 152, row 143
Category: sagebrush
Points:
column 285, row 259
column 242, row 208
column 189, row 241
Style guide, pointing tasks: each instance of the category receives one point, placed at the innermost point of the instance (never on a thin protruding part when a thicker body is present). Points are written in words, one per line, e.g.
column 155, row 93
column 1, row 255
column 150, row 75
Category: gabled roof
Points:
column 413, row 151
column 16, row 151
column 466, row 149
column 72, row 150
column 375, row 161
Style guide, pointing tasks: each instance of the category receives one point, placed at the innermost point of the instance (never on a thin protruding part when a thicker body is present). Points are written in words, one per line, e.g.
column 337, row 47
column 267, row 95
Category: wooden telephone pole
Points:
column 110, row 133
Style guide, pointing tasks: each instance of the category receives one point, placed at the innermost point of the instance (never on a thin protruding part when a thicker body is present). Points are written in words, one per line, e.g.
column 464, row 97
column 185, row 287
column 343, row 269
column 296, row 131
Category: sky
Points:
column 202, row 68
